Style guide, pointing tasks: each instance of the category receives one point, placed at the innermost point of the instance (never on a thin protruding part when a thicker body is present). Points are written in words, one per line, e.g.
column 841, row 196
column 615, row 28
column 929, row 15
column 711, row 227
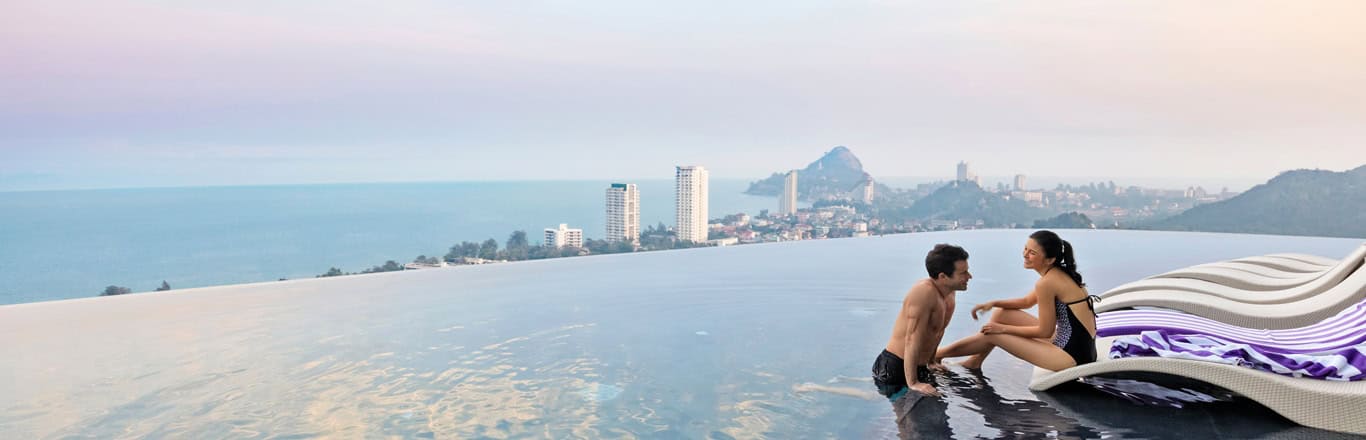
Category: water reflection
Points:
column 1169, row 407
column 1155, row 407
column 970, row 393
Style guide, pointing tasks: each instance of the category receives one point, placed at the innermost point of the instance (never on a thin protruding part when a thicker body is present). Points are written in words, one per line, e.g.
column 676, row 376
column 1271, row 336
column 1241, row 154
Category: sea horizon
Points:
column 264, row 232
column 1236, row 184
column 72, row 244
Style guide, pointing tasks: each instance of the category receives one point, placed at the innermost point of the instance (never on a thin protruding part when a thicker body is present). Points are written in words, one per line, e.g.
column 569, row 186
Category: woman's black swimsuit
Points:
column 1072, row 337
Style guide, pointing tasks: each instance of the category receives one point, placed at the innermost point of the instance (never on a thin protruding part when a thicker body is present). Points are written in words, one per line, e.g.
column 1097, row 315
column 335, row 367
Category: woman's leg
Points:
column 1007, row 317
column 1038, row 352
column 976, row 346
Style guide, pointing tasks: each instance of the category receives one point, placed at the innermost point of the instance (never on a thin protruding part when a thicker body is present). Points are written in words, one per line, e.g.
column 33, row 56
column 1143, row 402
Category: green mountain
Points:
column 966, row 200
column 1066, row 220
column 1300, row 202
column 834, row 174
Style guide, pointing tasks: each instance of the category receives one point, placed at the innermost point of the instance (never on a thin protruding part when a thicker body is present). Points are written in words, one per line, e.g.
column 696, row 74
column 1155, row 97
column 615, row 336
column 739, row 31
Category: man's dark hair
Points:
column 941, row 259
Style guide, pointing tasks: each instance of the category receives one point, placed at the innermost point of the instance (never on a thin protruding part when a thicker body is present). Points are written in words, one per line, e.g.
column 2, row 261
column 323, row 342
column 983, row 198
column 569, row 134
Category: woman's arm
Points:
column 1048, row 318
column 1023, row 302
column 1016, row 304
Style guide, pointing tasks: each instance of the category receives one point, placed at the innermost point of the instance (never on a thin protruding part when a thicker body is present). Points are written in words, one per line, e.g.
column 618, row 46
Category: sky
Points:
column 119, row 93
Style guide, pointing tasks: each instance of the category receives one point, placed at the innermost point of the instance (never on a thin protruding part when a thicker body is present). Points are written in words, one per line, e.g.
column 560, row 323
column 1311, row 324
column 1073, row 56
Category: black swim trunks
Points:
column 889, row 374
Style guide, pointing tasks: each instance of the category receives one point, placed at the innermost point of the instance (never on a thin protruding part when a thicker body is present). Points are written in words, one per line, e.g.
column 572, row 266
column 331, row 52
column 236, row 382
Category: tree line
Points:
column 518, row 247
column 120, row 290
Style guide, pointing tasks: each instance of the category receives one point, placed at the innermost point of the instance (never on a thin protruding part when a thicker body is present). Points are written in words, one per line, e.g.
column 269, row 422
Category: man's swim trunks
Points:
column 889, row 374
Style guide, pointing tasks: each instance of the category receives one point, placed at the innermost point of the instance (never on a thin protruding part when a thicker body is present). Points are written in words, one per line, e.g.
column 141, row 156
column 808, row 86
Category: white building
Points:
column 728, row 241
column 690, row 192
column 1033, row 198
column 787, row 202
column 1019, row 182
column 623, row 212
column 563, row 236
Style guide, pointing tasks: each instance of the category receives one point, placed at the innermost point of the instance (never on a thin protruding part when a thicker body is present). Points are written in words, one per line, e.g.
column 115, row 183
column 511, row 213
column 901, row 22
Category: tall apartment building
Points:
column 1019, row 182
column 690, row 192
column 865, row 190
column 563, row 236
column 623, row 212
column 787, row 202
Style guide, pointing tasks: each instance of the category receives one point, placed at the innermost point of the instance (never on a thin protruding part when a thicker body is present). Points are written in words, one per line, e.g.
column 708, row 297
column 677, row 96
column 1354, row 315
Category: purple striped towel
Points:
column 1343, row 363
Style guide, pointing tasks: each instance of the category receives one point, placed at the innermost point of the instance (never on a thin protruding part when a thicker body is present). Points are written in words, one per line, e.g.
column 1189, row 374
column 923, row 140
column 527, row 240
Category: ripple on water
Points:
column 600, row 392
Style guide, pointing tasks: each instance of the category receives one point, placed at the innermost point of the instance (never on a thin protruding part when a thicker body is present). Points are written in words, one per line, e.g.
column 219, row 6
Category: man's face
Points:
column 959, row 280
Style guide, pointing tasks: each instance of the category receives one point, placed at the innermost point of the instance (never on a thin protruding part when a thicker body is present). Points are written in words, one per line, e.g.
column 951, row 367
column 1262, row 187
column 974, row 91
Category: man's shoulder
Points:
column 921, row 290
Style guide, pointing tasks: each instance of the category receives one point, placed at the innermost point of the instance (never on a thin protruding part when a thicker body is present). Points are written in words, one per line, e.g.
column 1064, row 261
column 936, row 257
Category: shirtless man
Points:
column 925, row 313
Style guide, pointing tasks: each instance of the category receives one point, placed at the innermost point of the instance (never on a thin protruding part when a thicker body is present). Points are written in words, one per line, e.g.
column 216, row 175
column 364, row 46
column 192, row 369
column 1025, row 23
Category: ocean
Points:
column 71, row 244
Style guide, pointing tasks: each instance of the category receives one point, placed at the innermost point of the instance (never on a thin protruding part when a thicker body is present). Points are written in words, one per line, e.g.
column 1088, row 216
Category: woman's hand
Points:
column 992, row 329
column 982, row 308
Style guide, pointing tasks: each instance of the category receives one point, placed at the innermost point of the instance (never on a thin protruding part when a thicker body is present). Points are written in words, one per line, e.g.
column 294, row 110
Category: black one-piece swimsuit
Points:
column 1071, row 336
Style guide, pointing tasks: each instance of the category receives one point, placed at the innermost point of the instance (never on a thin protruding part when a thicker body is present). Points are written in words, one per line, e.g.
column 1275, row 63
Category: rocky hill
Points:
column 1300, row 202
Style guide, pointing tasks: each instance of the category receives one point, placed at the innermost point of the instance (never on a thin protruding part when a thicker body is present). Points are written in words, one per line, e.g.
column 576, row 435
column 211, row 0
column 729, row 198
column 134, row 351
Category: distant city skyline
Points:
column 253, row 93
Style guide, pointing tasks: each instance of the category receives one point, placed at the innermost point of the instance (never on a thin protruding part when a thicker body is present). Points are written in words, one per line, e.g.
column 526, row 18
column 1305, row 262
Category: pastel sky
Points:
column 119, row 93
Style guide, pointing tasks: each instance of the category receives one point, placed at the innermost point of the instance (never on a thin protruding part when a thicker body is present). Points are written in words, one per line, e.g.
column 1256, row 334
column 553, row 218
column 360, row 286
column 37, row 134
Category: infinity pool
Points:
column 759, row 341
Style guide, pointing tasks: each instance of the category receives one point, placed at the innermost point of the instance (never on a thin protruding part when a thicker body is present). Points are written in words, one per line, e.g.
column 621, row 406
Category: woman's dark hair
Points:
column 941, row 259
column 1060, row 251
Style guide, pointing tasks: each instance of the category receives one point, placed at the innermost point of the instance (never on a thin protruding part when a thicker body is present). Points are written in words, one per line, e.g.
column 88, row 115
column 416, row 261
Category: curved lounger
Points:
column 1198, row 287
column 1300, row 312
column 1284, row 264
column 1250, row 268
column 1315, row 259
column 1331, row 405
column 1239, row 276
column 1319, row 284
column 1270, row 266
column 1301, row 271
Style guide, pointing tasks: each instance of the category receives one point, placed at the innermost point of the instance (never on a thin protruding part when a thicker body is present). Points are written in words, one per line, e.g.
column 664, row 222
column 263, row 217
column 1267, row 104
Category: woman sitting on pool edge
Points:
column 1071, row 321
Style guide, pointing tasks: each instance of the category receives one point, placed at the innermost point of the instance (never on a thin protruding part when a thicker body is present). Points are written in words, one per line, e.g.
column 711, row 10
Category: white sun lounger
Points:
column 1332, row 405
column 1279, row 310
column 1233, row 275
column 1254, row 269
column 1319, row 284
column 1315, row 259
column 1284, row 264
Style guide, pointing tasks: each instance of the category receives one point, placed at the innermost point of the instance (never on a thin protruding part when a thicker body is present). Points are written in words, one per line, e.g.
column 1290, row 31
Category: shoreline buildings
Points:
column 965, row 173
column 563, row 236
column 690, row 192
column 623, row 212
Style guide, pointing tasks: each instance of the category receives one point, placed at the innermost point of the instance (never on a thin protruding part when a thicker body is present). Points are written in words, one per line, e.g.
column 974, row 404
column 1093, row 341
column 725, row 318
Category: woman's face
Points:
column 1034, row 257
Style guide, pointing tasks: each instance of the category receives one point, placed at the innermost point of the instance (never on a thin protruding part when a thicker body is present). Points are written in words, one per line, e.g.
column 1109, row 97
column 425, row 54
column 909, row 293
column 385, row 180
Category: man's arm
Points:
column 949, row 305
column 917, row 309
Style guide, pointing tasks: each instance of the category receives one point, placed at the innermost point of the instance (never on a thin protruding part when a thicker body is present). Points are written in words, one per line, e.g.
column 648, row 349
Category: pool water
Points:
column 757, row 341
